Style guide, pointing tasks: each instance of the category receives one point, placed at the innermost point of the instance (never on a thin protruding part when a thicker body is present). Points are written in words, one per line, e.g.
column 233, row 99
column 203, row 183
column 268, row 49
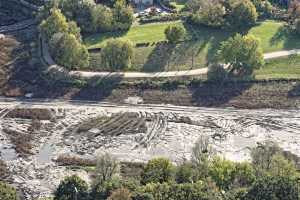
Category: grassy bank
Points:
column 280, row 68
column 188, row 54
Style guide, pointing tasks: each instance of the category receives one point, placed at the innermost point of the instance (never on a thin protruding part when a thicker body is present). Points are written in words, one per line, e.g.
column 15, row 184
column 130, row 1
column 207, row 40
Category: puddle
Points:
column 8, row 153
column 45, row 154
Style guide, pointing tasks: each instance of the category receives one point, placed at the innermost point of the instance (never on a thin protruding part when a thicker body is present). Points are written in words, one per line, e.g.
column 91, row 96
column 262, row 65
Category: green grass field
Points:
column 280, row 68
column 189, row 54
column 137, row 34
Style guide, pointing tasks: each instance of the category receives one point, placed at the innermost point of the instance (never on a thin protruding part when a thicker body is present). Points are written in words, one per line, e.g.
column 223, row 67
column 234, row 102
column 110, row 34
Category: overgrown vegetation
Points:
column 271, row 175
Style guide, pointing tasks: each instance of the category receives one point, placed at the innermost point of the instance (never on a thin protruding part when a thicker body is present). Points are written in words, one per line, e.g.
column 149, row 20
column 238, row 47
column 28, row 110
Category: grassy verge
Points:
column 188, row 54
column 280, row 68
column 137, row 34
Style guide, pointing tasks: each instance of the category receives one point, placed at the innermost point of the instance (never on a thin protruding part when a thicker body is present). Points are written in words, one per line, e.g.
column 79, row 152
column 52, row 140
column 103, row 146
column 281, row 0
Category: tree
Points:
column 201, row 154
column 243, row 175
column 209, row 13
column 262, row 155
column 158, row 170
column 280, row 166
column 7, row 192
column 107, row 167
column 120, row 194
column 122, row 15
column 174, row 33
column 102, row 18
column 243, row 54
column 68, row 51
column 79, row 11
column 117, row 54
column 75, row 30
column 222, row 172
column 273, row 188
column 263, row 7
column 242, row 14
column 55, row 23
column 297, row 25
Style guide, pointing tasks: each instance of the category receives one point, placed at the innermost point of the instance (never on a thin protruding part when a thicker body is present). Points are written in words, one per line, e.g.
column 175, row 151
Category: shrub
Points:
column 102, row 18
column 122, row 15
column 71, row 186
column 273, row 188
column 120, row 194
column 107, row 167
column 7, row 192
column 4, row 173
column 117, row 54
column 185, row 173
column 174, row 33
column 158, row 170
column 102, row 190
column 222, row 172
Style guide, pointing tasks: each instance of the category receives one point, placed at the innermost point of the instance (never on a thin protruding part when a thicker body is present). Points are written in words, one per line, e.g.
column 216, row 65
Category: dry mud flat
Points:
column 131, row 133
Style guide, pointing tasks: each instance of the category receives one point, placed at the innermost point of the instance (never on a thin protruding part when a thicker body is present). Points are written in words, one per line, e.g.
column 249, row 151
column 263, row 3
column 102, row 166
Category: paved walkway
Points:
column 194, row 72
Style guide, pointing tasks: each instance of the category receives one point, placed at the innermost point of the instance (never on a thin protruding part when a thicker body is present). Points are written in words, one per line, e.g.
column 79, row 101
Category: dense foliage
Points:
column 117, row 54
column 272, row 175
column 7, row 192
column 243, row 54
column 174, row 33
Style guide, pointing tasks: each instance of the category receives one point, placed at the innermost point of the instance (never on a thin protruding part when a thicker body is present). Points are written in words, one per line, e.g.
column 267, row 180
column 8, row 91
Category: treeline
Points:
column 272, row 175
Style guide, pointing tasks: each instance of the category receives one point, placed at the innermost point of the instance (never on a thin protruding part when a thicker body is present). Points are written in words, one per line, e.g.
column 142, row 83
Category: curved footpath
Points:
column 85, row 74
column 193, row 72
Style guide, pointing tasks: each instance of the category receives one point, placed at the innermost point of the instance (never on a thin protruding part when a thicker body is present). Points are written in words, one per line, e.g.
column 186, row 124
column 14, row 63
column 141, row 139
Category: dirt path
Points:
column 194, row 72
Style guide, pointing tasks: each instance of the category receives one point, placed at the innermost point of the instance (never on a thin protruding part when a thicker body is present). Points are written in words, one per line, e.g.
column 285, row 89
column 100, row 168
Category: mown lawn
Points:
column 280, row 68
column 189, row 54
column 137, row 34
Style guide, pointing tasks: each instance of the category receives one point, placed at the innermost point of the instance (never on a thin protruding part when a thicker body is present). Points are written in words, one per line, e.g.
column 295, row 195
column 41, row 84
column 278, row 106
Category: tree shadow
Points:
column 210, row 94
column 99, row 38
column 295, row 92
column 98, row 88
column 159, row 58
column 289, row 38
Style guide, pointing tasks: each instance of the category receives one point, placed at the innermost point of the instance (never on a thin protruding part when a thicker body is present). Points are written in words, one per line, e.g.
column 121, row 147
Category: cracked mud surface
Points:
column 132, row 133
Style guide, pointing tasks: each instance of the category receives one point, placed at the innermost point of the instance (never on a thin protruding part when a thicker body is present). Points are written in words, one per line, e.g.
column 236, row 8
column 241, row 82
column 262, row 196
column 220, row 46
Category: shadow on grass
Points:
column 211, row 94
column 99, row 38
column 289, row 38
column 159, row 58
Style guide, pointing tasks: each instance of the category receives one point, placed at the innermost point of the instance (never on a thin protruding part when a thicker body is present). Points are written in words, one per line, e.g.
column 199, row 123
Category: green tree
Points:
column 242, row 14
column 217, row 73
column 122, row 15
column 273, row 188
column 222, row 172
column 55, row 23
column 79, row 11
column 174, row 33
column 263, row 7
column 158, row 170
column 117, row 54
column 68, row 51
column 209, row 13
column 243, row 175
column 74, row 29
column 71, row 186
column 102, row 18
column 280, row 166
column 243, row 54
column 102, row 190
column 7, row 192
column 297, row 26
